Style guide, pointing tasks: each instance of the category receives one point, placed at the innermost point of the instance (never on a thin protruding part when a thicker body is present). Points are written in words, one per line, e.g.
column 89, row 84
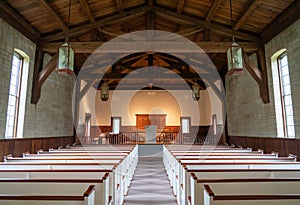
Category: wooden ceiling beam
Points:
column 260, row 76
column 284, row 20
column 213, row 10
column 84, row 4
column 111, row 20
column 111, row 32
column 120, row 7
column 14, row 19
column 131, row 76
column 41, row 76
column 53, row 14
column 162, row 46
column 150, row 20
column 192, row 21
column 246, row 14
column 180, row 6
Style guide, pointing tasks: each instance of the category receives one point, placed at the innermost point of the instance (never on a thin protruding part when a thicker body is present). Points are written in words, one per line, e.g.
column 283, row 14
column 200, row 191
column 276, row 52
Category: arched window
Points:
column 17, row 95
column 283, row 95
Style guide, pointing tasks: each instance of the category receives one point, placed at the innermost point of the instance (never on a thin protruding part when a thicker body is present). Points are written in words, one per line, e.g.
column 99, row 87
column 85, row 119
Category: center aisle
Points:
column 150, row 184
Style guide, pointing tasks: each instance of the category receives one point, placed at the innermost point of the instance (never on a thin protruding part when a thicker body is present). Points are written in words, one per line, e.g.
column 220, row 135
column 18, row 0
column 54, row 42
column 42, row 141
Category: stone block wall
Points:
column 52, row 116
column 247, row 115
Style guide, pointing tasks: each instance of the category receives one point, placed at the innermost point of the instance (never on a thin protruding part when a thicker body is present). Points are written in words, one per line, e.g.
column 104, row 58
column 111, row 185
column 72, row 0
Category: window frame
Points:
column 189, row 124
column 112, row 124
column 17, row 103
column 283, row 95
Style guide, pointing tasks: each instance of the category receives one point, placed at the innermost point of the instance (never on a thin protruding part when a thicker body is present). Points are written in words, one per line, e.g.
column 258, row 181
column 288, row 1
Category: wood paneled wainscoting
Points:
column 284, row 146
column 18, row 146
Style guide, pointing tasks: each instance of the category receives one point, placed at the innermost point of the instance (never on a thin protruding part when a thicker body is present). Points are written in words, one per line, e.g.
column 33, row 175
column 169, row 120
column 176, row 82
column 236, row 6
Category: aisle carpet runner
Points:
column 150, row 184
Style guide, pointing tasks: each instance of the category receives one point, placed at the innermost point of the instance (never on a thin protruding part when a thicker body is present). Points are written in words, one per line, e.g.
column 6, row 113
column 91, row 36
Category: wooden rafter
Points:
column 18, row 22
column 84, row 4
column 150, row 20
column 213, row 10
column 246, row 14
column 111, row 20
column 180, row 6
column 190, row 31
column 111, row 32
column 53, row 14
column 208, row 47
column 192, row 21
column 120, row 7
column 288, row 17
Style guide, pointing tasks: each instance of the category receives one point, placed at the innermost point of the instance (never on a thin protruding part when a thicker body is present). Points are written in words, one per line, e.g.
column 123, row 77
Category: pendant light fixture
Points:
column 196, row 91
column 65, row 65
column 234, row 54
column 104, row 92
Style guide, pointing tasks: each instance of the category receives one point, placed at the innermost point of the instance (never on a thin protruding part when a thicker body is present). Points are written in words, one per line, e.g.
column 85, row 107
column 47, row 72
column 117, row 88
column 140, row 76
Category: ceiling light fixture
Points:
column 234, row 54
column 65, row 65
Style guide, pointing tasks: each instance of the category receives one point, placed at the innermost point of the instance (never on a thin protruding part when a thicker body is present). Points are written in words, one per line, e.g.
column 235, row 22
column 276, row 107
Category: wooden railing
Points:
column 140, row 138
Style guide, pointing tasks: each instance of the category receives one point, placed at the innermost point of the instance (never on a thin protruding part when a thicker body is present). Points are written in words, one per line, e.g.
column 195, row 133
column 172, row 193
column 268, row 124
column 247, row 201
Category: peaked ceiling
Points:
column 205, row 22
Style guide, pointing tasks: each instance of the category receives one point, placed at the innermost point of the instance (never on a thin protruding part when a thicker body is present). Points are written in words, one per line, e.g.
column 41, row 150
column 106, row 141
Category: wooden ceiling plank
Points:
column 111, row 20
column 192, row 21
column 18, row 22
column 284, row 20
column 122, row 47
column 84, row 4
column 213, row 10
column 54, row 14
column 246, row 14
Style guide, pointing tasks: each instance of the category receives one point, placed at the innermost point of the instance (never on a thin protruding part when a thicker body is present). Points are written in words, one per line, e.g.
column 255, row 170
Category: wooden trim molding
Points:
column 284, row 146
column 17, row 147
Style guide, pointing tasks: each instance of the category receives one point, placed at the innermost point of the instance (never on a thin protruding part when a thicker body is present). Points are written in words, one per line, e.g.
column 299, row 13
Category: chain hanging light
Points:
column 104, row 92
column 196, row 91
column 65, row 65
column 234, row 54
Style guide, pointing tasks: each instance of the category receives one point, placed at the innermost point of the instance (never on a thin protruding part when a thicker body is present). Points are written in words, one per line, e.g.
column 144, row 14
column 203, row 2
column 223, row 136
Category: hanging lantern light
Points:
column 65, row 64
column 235, row 60
column 65, row 59
column 196, row 91
column 104, row 92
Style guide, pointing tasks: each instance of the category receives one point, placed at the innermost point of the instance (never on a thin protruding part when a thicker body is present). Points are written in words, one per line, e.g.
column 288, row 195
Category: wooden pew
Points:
column 197, row 178
column 178, row 177
column 122, row 174
column 104, row 194
column 252, row 191
column 85, row 198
